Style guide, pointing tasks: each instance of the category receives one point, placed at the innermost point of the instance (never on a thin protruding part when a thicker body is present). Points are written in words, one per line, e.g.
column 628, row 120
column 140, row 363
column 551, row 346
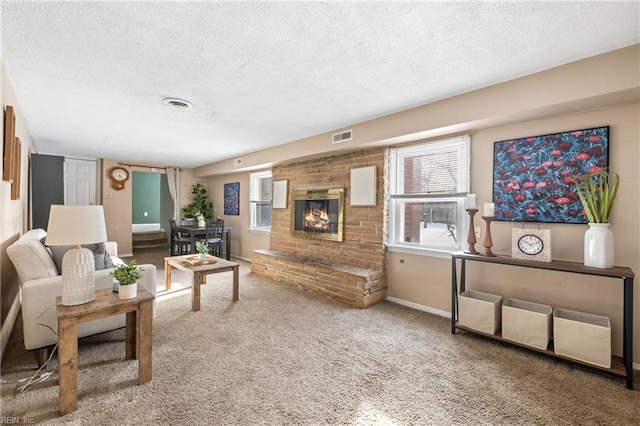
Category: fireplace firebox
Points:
column 318, row 214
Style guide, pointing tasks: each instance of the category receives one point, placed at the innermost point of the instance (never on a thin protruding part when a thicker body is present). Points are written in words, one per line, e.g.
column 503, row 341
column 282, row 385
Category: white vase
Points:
column 202, row 256
column 598, row 246
column 201, row 223
column 128, row 291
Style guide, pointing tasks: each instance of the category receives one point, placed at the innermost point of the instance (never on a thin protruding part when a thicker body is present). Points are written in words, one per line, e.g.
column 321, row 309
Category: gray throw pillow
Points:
column 100, row 255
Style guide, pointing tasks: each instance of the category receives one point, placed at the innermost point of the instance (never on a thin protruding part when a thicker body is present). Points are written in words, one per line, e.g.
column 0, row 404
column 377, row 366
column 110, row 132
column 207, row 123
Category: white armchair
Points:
column 40, row 284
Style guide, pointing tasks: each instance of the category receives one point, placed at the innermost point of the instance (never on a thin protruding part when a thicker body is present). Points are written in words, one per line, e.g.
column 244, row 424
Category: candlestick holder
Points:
column 488, row 242
column 471, row 238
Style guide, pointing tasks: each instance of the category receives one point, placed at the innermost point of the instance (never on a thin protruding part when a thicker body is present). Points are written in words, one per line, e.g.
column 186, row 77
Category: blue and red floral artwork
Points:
column 232, row 198
column 533, row 177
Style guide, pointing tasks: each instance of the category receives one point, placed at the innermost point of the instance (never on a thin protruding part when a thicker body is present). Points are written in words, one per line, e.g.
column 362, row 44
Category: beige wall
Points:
column 603, row 90
column 13, row 213
column 427, row 281
column 243, row 241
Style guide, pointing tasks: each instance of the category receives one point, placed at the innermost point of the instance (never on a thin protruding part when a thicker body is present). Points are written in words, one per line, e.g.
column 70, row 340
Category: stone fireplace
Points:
column 320, row 241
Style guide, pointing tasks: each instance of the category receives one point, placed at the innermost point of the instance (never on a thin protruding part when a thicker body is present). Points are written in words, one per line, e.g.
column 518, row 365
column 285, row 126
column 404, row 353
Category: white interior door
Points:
column 79, row 182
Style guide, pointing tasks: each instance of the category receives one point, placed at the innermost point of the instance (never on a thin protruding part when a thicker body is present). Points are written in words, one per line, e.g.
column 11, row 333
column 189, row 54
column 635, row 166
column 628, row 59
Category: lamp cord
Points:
column 33, row 380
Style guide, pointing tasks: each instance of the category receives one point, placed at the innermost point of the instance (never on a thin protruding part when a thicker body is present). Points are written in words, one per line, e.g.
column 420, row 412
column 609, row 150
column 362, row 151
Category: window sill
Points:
column 442, row 254
column 259, row 231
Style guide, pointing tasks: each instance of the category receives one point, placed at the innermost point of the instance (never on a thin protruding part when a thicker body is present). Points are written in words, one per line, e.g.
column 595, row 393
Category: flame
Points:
column 316, row 220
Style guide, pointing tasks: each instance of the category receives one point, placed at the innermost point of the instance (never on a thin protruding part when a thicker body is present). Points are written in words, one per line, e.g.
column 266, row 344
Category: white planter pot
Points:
column 202, row 223
column 598, row 246
column 202, row 257
column 127, row 291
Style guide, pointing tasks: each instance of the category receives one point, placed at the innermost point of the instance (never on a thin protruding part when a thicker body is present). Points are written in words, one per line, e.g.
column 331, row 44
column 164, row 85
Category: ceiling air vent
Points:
column 177, row 103
column 343, row 137
column 237, row 162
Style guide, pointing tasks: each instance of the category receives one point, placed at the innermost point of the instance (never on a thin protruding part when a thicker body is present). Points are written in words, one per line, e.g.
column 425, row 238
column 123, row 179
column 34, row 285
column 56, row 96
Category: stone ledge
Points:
column 355, row 286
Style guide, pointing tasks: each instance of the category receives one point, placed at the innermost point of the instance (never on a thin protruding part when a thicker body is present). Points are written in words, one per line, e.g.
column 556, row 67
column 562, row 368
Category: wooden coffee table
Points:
column 139, row 312
column 200, row 270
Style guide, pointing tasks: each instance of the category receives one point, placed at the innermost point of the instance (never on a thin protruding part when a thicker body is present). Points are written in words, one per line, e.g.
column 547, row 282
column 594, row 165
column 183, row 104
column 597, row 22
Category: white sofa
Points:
column 40, row 284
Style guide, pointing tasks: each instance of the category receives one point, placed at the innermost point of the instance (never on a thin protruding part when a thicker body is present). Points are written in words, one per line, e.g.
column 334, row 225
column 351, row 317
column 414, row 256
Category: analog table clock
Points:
column 531, row 244
column 118, row 175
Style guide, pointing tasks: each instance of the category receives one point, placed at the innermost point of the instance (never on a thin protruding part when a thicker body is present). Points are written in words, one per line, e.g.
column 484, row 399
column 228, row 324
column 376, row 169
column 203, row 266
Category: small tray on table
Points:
column 193, row 260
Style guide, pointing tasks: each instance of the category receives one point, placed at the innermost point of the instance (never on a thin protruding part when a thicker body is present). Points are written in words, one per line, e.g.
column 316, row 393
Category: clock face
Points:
column 119, row 174
column 530, row 244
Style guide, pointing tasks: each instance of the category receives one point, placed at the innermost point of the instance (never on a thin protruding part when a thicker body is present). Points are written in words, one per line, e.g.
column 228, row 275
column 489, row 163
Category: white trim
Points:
column 9, row 322
column 419, row 307
column 263, row 231
column 242, row 258
column 442, row 254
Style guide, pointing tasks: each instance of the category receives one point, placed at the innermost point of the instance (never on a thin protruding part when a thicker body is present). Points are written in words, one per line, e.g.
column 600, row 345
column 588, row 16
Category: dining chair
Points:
column 213, row 236
column 179, row 244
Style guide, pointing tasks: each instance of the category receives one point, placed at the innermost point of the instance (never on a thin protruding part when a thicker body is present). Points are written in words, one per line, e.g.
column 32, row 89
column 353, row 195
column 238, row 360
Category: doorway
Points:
column 152, row 205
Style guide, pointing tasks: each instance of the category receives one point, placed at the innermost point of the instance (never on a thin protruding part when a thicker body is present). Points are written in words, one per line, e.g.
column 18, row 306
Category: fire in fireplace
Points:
column 318, row 214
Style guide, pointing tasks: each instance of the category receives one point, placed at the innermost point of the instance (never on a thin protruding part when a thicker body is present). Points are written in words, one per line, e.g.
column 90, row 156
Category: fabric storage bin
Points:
column 582, row 336
column 526, row 322
column 479, row 311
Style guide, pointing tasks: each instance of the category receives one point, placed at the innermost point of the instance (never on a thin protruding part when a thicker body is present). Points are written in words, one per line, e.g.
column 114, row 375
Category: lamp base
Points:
column 78, row 283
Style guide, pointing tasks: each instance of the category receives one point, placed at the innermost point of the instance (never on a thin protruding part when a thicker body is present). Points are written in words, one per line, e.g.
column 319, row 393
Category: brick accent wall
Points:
column 364, row 226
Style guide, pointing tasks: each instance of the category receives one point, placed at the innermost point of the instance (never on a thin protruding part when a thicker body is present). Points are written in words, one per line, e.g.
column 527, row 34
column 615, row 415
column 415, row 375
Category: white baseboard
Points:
column 9, row 322
column 241, row 258
column 419, row 307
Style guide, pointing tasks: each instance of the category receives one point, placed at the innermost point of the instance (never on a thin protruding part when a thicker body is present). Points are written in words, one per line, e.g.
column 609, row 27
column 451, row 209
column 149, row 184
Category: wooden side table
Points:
column 139, row 312
column 200, row 273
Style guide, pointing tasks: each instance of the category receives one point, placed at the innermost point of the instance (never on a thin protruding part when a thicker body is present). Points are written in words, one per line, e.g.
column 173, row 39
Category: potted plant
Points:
column 127, row 276
column 597, row 192
column 202, row 250
column 199, row 203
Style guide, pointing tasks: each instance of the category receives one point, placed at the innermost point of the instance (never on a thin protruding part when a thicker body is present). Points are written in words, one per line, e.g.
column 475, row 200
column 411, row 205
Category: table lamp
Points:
column 76, row 225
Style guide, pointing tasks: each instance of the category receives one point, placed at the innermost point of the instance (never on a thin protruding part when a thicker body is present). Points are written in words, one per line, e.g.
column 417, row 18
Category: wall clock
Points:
column 531, row 244
column 118, row 176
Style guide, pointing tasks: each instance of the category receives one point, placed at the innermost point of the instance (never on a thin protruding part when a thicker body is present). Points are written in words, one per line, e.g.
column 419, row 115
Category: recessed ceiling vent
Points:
column 177, row 103
column 237, row 162
column 343, row 136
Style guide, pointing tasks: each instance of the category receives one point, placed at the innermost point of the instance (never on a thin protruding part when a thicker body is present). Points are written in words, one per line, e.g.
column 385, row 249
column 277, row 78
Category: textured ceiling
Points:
column 91, row 76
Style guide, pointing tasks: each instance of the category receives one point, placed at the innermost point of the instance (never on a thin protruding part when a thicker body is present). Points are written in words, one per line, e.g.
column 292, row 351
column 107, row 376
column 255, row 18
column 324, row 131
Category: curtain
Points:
column 173, row 178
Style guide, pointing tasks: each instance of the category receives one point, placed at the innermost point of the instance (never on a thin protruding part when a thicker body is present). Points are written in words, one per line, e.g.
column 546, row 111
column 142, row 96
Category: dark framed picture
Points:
column 232, row 198
column 533, row 177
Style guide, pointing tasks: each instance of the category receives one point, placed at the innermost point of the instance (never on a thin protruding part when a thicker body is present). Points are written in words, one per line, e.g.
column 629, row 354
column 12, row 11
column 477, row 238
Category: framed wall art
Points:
column 9, row 143
column 232, row 199
column 15, row 170
column 533, row 177
column 280, row 194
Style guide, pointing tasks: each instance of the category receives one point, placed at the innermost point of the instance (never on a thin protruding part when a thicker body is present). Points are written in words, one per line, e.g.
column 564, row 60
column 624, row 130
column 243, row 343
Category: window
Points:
column 428, row 187
column 260, row 199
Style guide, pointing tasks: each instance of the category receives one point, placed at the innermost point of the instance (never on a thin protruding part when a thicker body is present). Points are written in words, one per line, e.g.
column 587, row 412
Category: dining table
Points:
column 195, row 232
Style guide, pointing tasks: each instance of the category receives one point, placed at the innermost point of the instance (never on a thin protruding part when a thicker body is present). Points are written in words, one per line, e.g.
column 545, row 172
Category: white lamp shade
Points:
column 74, row 225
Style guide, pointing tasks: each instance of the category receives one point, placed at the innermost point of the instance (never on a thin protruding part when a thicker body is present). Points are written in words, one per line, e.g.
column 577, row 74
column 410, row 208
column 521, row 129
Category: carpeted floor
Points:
column 284, row 356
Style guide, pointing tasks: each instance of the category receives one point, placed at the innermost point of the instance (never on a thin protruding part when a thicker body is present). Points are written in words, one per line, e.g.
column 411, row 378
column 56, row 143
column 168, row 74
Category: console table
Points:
column 621, row 367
